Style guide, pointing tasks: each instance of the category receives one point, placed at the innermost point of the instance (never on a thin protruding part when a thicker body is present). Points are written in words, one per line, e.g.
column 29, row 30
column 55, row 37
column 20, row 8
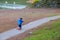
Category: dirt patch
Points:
column 27, row 33
column 8, row 18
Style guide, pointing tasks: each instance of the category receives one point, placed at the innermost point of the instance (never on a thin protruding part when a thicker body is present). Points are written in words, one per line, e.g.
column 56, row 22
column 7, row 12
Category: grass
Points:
column 17, row 1
column 47, row 33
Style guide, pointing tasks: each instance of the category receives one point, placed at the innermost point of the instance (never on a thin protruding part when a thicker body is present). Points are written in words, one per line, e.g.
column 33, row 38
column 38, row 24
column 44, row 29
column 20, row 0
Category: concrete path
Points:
column 14, row 32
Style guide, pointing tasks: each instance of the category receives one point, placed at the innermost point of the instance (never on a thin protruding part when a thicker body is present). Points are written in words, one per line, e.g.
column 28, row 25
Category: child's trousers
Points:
column 20, row 26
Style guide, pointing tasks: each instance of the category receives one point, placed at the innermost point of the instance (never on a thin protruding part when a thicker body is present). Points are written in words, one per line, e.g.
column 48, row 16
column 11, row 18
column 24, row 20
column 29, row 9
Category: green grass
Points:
column 17, row 1
column 52, row 33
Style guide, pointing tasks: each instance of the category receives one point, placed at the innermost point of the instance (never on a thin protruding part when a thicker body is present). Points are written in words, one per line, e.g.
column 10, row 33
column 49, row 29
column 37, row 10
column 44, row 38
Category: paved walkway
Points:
column 14, row 32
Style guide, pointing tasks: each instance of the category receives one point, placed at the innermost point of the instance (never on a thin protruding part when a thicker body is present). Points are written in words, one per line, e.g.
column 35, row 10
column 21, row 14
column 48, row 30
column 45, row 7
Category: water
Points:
column 12, row 6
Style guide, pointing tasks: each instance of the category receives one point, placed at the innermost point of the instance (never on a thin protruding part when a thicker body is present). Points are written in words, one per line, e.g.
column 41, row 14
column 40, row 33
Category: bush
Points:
column 46, row 3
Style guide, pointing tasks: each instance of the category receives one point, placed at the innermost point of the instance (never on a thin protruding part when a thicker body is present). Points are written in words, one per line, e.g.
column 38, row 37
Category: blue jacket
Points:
column 20, row 22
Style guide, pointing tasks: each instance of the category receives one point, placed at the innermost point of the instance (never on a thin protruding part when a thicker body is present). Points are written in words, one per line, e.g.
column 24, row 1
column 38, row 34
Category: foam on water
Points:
column 12, row 6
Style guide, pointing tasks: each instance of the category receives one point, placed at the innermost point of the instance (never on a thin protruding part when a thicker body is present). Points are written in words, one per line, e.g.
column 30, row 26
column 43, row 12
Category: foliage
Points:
column 46, row 3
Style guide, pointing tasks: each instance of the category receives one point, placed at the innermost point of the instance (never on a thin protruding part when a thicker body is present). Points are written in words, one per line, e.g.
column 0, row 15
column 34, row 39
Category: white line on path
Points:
column 14, row 32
